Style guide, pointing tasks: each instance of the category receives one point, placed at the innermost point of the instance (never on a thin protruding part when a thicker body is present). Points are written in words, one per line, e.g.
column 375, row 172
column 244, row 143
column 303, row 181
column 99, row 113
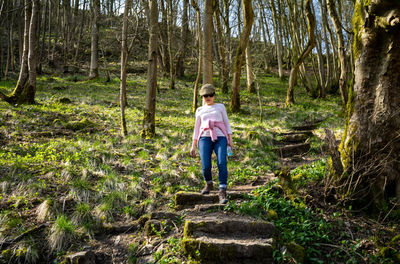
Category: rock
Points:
column 164, row 215
column 188, row 199
column 297, row 251
column 83, row 257
column 294, row 138
column 292, row 150
column 228, row 226
column 64, row 100
column 228, row 250
column 149, row 259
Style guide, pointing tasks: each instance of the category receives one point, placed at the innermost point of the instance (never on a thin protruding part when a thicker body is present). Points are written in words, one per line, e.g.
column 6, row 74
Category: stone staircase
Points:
column 292, row 147
column 212, row 235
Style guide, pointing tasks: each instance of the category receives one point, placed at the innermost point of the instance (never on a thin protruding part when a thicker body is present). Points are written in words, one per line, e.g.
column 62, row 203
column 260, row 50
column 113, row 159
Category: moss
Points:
column 297, row 251
column 272, row 215
column 79, row 125
column 6, row 254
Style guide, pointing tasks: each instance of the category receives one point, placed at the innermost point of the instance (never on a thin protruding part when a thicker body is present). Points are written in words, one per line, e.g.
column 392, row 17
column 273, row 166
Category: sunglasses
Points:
column 208, row 95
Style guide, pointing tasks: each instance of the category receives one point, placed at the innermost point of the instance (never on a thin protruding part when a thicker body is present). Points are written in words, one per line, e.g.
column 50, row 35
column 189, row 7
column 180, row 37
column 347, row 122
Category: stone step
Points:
column 292, row 150
column 294, row 138
column 230, row 250
column 228, row 225
column 185, row 200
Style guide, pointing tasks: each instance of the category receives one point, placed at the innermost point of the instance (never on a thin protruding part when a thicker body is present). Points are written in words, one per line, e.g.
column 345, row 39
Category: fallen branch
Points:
column 31, row 231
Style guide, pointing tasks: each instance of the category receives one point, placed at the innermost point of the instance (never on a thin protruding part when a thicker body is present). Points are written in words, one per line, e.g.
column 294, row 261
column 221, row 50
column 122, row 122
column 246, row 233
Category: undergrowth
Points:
column 306, row 233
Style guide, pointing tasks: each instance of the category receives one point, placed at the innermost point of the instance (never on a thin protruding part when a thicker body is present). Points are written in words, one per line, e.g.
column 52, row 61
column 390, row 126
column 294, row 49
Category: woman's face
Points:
column 209, row 99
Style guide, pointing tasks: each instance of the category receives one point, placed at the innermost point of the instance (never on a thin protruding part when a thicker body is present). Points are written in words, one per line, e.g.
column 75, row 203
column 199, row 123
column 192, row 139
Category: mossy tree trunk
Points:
column 149, row 124
column 200, row 57
column 237, row 68
column 370, row 148
column 303, row 55
column 25, row 89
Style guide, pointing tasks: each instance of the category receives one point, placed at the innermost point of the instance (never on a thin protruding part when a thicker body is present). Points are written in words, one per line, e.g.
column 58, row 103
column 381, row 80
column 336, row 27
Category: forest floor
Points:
column 64, row 164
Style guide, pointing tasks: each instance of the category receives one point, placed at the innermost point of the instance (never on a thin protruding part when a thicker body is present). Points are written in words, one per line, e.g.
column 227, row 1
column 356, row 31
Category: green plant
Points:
column 62, row 233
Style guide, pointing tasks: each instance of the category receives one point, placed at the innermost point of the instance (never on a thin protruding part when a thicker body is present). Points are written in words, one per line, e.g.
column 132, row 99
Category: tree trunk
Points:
column 124, row 62
column 94, row 57
column 200, row 57
column 222, row 49
column 149, row 124
column 170, row 55
column 244, row 39
column 370, row 148
column 249, row 70
column 33, row 51
column 303, row 55
column 19, row 95
column 180, row 65
column 342, row 52
column 278, row 39
column 207, row 42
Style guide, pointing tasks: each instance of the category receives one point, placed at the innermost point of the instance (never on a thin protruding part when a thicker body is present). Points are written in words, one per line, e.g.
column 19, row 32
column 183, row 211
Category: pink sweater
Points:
column 213, row 113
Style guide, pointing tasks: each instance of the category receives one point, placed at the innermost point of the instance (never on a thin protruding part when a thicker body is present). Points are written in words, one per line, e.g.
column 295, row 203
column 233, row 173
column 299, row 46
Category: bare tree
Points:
column 200, row 57
column 25, row 89
column 303, row 55
column 207, row 42
column 124, row 61
column 94, row 64
column 244, row 39
column 149, row 124
column 341, row 47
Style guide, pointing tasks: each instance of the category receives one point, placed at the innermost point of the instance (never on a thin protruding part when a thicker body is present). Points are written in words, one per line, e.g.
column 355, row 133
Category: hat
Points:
column 207, row 89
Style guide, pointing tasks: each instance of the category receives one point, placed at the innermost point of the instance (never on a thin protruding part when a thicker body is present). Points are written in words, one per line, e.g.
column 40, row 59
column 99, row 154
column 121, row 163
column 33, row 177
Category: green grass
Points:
column 71, row 158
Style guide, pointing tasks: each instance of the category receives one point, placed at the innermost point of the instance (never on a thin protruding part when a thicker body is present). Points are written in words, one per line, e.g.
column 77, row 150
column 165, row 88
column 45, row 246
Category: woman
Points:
column 212, row 132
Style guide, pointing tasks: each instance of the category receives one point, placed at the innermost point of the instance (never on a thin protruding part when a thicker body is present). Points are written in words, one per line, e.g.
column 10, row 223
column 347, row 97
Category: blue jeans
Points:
column 206, row 147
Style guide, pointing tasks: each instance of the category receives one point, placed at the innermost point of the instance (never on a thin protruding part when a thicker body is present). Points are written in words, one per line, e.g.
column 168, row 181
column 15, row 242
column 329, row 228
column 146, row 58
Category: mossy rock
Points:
column 297, row 251
column 228, row 250
column 82, row 124
column 64, row 100
column 187, row 199
column 272, row 215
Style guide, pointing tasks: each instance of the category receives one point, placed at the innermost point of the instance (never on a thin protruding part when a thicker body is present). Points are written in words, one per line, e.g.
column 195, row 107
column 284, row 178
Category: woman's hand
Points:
column 193, row 152
column 193, row 149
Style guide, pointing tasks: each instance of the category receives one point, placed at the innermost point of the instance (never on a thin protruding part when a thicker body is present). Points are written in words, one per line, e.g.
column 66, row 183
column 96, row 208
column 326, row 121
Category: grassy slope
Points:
column 70, row 161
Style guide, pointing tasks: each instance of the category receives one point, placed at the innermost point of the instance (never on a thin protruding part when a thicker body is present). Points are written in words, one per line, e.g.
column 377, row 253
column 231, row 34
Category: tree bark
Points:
column 370, row 148
column 124, row 62
column 94, row 57
column 278, row 39
column 170, row 55
column 149, row 124
column 244, row 39
column 180, row 65
column 222, row 46
column 200, row 57
column 303, row 55
column 19, row 95
column 249, row 71
column 341, row 48
column 207, row 42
